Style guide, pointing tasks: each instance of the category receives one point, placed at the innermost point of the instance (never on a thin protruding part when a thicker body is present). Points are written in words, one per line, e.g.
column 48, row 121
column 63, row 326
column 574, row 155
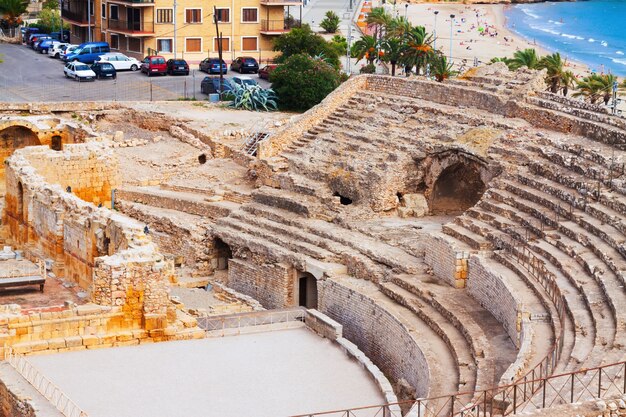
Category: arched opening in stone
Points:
column 106, row 244
column 345, row 201
column 457, row 188
column 202, row 159
column 307, row 290
column 56, row 144
column 20, row 202
column 222, row 253
column 16, row 137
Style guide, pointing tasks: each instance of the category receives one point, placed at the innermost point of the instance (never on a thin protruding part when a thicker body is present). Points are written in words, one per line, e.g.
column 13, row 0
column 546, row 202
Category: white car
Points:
column 57, row 49
column 120, row 61
column 69, row 49
column 79, row 71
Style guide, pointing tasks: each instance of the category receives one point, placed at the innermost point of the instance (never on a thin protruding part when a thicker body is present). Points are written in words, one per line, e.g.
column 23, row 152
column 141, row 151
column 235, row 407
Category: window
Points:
column 165, row 15
column 104, row 10
column 91, row 8
column 164, row 45
column 225, row 44
column 115, row 42
column 249, row 43
column 250, row 15
column 134, row 44
column 223, row 15
column 193, row 15
column 113, row 12
column 193, row 44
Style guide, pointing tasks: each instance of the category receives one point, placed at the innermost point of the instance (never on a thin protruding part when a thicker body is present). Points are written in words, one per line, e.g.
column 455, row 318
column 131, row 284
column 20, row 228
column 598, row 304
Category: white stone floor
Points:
column 277, row 373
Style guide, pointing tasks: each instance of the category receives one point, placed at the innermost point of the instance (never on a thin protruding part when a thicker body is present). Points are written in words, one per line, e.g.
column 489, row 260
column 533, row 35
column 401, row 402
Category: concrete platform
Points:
column 272, row 374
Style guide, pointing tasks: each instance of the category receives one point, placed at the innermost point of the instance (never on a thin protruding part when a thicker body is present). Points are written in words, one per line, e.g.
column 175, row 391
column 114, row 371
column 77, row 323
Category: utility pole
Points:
column 451, row 27
column 435, row 31
column 219, row 48
column 88, row 20
column 348, row 16
column 174, row 46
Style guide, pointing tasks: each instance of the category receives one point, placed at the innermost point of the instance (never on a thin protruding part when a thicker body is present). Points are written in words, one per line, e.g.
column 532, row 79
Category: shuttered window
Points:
column 225, row 44
column 249, row 15
column 193, row 16
column 249, row 44
column 193, row 44
column 165, row 15
column 223, row 15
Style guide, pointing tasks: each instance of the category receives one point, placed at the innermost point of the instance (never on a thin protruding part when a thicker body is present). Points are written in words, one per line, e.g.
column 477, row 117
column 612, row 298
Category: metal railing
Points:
column 257, row 318
column 43, row 385
column 283, row 25
column 603, row 382
column 77, row 12
column 281, row 2
column 132, row 26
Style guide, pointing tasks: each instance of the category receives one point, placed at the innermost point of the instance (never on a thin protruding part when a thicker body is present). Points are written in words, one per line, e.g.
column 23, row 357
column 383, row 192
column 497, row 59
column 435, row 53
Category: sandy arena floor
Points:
column 273, row 374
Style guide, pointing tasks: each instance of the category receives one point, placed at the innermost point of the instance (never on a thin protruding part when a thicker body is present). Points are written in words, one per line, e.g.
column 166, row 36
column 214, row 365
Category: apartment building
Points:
column 183, row 28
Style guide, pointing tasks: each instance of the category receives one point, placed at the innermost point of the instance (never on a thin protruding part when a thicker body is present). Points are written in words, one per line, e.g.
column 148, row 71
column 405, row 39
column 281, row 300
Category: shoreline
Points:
column 470, row 20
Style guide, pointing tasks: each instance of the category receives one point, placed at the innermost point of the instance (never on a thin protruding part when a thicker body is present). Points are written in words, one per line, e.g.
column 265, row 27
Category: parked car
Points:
column 177, row 66
column 45, row 45
column 265, row 72
column 57, row 49
column 244, row 79
column 154, row 64
column 26, row 32
column 104, row 70
column 68, row 51
column 63, row 36
column 212, row 66
column 88, row 52
column 244, row 64
column 29, row 40
column 120, row 61
column 211, row 85
column 36, row 40
column 79, row 71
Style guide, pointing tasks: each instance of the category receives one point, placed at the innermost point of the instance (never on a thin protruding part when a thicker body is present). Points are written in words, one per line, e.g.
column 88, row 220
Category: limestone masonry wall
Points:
column 270, row 284
column 448, row 263
column 364, row 322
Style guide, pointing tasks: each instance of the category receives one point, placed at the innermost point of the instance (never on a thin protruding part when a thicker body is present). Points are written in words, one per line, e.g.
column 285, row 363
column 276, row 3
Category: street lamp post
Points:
column 406, row 10
column 435, row 30
column 451, row 24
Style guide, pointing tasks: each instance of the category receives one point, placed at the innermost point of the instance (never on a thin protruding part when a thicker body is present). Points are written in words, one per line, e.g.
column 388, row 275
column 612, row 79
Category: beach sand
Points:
column 467, row 42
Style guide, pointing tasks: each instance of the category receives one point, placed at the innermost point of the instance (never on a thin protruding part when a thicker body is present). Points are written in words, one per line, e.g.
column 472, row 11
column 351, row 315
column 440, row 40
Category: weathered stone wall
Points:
column 13, row 406
column 492, row 292
column 377, row 333
column 271, row 284
column 447, row 262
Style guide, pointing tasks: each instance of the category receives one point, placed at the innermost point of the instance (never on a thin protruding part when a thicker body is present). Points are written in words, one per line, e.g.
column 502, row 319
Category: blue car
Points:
column 212, row 66
column 45, row 45
column 211, row 85
column 88, row 52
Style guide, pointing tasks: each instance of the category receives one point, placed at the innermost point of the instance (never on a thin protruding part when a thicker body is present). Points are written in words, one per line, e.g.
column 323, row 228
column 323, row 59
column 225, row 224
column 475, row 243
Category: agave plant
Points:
column 253, row 97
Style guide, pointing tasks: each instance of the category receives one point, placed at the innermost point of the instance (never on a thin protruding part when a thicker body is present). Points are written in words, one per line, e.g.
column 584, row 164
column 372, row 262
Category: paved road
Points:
column 26, row 75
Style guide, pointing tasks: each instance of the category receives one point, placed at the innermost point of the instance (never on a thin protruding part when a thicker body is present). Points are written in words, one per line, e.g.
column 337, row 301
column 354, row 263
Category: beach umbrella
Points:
column 481, row 29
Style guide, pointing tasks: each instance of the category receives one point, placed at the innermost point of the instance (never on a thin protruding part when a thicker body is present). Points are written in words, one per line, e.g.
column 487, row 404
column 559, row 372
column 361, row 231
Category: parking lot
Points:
column 28, row 76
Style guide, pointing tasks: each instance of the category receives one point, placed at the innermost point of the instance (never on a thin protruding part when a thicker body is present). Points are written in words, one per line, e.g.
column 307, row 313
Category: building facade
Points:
column 183, row 28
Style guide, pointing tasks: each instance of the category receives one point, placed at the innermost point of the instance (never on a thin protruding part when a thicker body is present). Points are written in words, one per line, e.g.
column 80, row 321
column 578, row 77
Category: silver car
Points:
column 120, row 61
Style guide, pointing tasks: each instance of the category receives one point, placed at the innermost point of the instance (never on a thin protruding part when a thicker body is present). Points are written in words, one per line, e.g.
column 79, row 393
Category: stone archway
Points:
column 12, row 138
column 457, row 188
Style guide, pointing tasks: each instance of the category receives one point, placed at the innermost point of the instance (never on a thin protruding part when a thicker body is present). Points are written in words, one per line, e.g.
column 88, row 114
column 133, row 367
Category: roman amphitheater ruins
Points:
column 451, row 249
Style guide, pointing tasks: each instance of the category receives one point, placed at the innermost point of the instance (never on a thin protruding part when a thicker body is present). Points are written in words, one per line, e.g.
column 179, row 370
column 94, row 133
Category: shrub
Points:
column 368, row 69
column 304, row 41
column 253, row 97
column 331, row 22
column 301, row 82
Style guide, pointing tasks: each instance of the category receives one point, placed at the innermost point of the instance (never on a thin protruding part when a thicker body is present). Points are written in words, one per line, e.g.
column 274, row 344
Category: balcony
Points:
column 134, row 3
column 278, row 27
column 76, row 13
column 281, row 2
column 135, row 28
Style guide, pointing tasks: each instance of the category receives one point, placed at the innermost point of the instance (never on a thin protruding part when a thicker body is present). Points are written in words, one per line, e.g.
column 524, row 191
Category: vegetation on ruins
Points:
column 330, row 23
column 303, row 81
column 441, row 68
column 253, row 97
column 304, row 41
column 558, row 78
column 596, row 87
column 11, row 10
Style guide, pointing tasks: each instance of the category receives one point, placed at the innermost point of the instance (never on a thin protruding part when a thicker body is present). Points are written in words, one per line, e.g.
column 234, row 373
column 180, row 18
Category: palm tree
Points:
column 500, row 59
column 392, row 48
column 555, row 67
column 364, row 48
column 595, row 87
column 526, row 58
column 398, row 27
column 418, row 49
column 11, row 10
column 379, row 18
column 568, row 81
column 440, row 68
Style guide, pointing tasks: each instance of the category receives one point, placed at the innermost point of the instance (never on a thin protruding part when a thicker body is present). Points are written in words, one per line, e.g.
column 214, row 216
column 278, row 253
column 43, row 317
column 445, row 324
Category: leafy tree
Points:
column 330, row 23
column 339, row 44
column 11, row 10
column 596, row 87
column 51, row 4
column 364, row 48
column 50, row 20
column 301, row 82
column 526, row 58
column 398, row 27
column 393, row 49
column 440, row 68
column 556, row 72
column 368, row 69
column 380, row 19
column 304, row 41
column 418, row 51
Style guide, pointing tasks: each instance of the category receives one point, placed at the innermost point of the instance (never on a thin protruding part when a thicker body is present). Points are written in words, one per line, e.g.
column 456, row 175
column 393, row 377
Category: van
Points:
column 88, row 52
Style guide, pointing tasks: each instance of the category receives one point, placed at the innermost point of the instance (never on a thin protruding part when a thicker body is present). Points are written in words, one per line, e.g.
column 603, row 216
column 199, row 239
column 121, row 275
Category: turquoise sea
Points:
column 592, row 32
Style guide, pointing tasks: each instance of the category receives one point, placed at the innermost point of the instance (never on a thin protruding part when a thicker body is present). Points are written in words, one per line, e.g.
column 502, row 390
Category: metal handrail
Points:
column 257, row 318
column 43, row 385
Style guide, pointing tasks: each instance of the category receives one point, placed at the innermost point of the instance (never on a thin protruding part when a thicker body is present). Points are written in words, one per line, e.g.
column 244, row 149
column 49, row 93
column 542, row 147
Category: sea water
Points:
column 592, row 32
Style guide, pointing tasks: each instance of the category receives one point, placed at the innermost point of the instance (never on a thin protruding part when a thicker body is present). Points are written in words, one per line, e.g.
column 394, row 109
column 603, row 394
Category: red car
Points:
column 266, row 70
column 154, row 64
